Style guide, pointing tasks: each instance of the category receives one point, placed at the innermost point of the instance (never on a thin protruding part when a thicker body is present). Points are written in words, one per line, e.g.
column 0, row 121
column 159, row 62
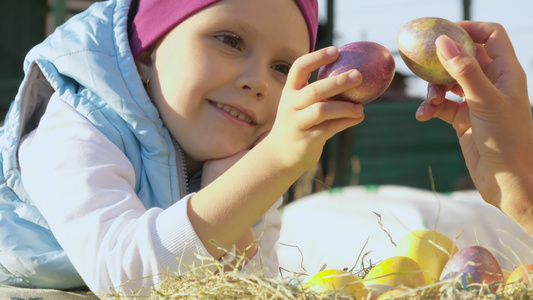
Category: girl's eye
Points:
column 282, row 68
column 231, row 40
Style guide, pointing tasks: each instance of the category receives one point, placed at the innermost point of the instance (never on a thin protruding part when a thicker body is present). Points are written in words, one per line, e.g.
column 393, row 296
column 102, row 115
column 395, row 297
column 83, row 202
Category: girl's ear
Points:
column 144, row 63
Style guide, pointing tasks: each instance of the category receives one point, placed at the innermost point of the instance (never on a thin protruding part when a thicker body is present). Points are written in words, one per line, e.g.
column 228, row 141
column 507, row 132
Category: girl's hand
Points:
column 306, row 119
column 493, row 123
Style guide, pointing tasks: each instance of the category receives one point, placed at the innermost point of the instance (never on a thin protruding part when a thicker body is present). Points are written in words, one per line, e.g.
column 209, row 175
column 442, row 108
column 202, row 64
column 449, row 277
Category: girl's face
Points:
column 217, row 78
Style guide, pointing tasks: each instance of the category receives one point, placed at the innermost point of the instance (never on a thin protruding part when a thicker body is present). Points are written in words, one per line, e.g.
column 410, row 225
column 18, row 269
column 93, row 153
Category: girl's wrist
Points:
column 282, row 159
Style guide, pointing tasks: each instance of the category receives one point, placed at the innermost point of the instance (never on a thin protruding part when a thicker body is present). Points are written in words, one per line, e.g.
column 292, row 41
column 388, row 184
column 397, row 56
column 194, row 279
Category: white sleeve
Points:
column 84, row 187
column 266, row 231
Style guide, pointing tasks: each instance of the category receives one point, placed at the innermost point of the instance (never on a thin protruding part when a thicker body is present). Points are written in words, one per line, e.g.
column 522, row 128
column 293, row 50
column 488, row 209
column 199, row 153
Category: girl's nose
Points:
column 254, row 81
column 254, row 90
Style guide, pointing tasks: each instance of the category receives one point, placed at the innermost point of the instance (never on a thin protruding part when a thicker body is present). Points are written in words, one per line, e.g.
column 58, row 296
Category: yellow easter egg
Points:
column 520, row 277
column 506, row 274
column 394, row 272
column 430, row 249
column 338, row 281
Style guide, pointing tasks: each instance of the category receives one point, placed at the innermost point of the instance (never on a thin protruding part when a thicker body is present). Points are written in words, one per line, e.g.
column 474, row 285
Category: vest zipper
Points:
column 182, row 169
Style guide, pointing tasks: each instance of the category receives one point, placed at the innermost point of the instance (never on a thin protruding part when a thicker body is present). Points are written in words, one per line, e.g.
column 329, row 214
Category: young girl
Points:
column 147, row 136
column 493, row 123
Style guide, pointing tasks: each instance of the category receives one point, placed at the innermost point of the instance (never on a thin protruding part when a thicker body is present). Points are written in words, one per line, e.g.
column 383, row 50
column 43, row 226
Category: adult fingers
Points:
column 482, row 57
column 496, row 55
column 445, row 110
column 464, row 68
column 492, row 35
column 452, row 112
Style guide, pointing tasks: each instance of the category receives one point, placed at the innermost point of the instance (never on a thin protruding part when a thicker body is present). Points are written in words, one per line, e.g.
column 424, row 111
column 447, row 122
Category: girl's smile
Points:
column 240, row 115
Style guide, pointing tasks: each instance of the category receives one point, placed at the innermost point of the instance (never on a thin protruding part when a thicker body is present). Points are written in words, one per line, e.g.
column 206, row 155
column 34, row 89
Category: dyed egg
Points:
column 416, row 43
column 521, row 276
column 474, row 264
column 430, row 249
column 394, row 272
column 375, row 63
column 338, row 281
column 506, row 274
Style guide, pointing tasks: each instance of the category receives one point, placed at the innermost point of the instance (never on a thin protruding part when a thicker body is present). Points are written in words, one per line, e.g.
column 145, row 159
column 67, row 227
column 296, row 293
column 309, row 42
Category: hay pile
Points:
column 235, row 285
column 227, row 282
column 200, row 283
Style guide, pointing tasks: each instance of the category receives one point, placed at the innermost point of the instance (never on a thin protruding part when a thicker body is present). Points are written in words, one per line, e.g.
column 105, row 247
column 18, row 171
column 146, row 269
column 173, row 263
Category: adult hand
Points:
column 493, row 122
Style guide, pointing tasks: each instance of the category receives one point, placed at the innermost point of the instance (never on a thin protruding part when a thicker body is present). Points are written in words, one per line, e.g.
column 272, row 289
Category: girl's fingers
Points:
column 321, row 89
column 331, row 115
column 302, row 68
column 332, row 86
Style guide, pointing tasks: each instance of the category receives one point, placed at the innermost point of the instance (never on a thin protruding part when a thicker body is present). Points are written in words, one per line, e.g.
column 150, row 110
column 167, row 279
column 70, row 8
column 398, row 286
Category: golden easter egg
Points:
column 430, row 249
column 394, row 272
column 416, row 43
column 338, row 281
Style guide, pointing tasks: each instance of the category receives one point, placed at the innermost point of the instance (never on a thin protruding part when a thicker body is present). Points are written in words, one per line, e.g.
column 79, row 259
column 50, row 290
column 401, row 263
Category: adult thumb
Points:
column 464, row 68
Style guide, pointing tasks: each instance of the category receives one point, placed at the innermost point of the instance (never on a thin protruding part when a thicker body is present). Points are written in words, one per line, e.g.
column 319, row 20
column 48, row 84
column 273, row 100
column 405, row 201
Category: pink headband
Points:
column 154, row 18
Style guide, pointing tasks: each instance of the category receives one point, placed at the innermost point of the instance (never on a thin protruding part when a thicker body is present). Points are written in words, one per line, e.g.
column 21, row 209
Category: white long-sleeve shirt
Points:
column 84, row 187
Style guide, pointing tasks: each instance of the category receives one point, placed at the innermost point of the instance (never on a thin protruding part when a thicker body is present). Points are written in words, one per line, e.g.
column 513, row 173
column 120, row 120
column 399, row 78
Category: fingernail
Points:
column 432, row 94
column 447, row 47
column 354, row 76
column 420, row 111
column 331, row 51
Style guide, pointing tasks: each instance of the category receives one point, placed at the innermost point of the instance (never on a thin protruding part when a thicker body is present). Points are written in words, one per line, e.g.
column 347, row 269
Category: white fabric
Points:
column 84, row 187
column 332, row 227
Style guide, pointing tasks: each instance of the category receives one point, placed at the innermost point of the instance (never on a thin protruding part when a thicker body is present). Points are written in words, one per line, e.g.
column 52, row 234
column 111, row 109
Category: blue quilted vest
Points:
column 88, row 61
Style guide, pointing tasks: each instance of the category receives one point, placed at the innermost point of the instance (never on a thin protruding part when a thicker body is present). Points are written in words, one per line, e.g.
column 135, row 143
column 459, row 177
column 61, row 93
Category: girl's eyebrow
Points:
column 292, row 55
column 248, row 29
column 240, row 24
